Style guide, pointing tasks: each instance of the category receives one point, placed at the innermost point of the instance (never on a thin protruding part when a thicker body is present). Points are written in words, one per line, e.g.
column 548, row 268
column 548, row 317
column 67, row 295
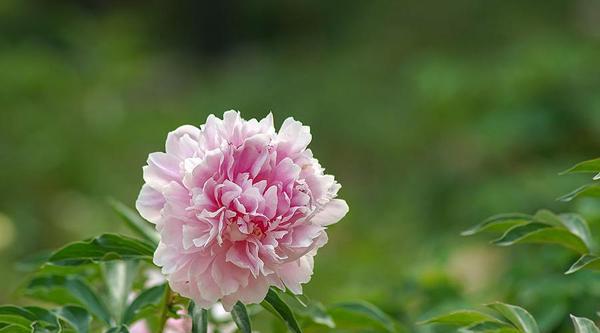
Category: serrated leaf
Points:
column 540, row 233
column 364, row 313
column 276, row 305
column 240, row 317
column 199, row 318
column 461, row 318
column 78, row 289
column 498, row 223
column 589, row 190
column 584, row 325
column 148, row 297
column 586, row 261
column 135, row 221
column 518, row 316
column 102, row 248
column 77, row 317
column 585, row 166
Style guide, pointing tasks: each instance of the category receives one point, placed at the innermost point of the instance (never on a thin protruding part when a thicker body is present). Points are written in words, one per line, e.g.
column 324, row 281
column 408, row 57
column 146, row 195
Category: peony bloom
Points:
column 239, row 208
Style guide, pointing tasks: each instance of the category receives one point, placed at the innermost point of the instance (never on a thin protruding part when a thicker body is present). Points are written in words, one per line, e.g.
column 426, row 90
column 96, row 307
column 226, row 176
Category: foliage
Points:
column 569, row 230
column 114, row 293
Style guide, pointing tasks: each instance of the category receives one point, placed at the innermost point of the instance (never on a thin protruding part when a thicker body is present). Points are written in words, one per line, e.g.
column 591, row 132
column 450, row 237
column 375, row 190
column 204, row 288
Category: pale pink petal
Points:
column 239, row 208
column 149, row 203
column 331, row 213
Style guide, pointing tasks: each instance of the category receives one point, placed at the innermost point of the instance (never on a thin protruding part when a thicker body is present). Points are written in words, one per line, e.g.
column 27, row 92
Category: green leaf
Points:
column 490, row 327
column 102, row 248
column 77, row 317
column 517, row 316
column 199, row 318
column 585, row 166
column 540, row 233
column 118, row 277
column 47, row 318
column 586, row 261
column 548, row 217
column 148, row 297
column 363, row 313
column 240, row 317
column 584, row 325
column 118, row 329
column 317, row 313
column 305, row 308
column 579, row 227
column 135, row 221
column 461, row 318
column 276, row 305
column 78, row 289
column 16, row 316
column 589, row 190
column 498, row 223
column 15, row 329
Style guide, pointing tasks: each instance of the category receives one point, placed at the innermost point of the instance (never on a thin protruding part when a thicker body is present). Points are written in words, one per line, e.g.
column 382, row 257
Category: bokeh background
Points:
column 433, row 115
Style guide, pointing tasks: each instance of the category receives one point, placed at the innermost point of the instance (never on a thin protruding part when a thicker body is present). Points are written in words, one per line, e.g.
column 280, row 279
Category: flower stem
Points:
column 165, row 309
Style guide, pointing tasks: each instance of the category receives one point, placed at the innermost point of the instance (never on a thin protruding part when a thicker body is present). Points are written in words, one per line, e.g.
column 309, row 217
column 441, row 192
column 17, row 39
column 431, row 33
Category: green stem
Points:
column 165, row 309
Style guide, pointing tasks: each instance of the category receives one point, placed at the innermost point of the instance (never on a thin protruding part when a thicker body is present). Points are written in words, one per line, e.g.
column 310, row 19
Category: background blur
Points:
column 433, row 116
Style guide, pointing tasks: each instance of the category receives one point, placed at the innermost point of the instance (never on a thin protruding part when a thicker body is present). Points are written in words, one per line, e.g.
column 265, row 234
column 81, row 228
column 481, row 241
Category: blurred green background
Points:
column 433, row 115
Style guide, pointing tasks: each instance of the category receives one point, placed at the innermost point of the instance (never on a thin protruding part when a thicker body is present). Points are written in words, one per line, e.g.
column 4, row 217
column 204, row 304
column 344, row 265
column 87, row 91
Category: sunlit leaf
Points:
column 148, row 297
column 240, row 317
column 461, row 318
column 589, row 190
column 584, row 325
column 586, row 261
column 363, row 313
column 498, row 223
column 517, row 316
column 78, row 289
column 276, row 305
column 541, row 233
column 585, row 166
column 102, row 248
column 199, row 318
column 135, row 221
column 77, row 317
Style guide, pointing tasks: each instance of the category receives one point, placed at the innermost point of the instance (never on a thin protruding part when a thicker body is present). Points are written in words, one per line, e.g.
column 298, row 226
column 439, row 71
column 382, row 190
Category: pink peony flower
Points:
column 239, row 208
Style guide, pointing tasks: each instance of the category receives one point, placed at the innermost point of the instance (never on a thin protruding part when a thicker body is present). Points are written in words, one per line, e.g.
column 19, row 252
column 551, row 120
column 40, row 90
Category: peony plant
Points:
column 228, row 224
column 231, row 216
